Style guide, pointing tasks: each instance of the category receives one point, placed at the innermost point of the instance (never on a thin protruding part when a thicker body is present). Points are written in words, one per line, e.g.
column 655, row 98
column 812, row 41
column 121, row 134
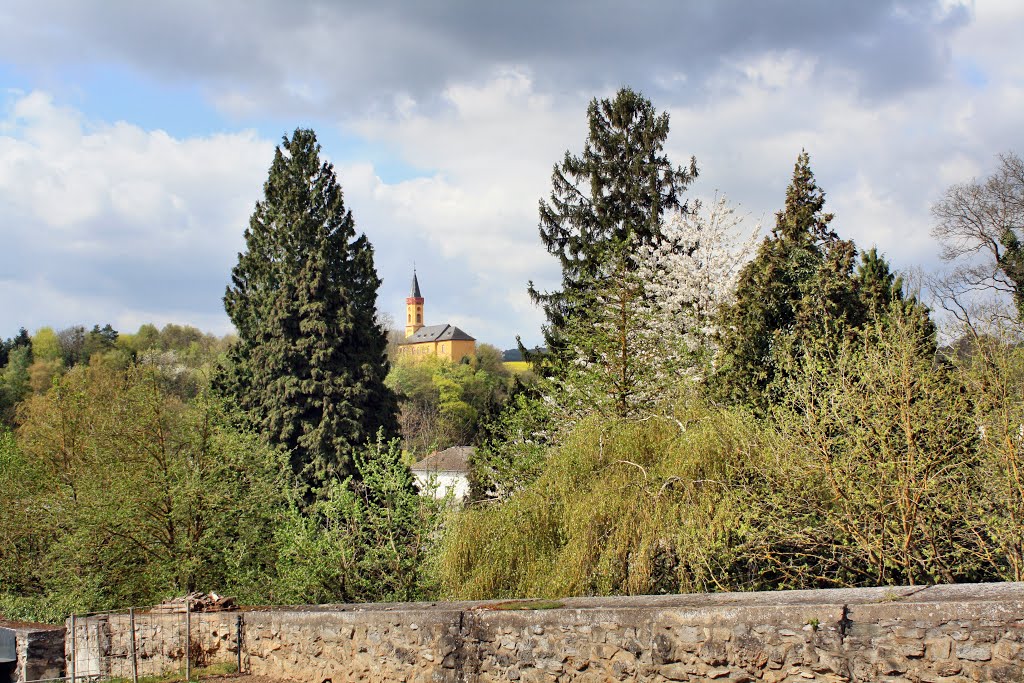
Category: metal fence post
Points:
column 73, row 656
column 135, row 659
column 188, row 639
column 238, row 640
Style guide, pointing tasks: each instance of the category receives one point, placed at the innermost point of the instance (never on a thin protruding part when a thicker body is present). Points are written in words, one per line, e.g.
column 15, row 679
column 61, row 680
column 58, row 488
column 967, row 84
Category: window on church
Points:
column 410, row 317
column 418, row 316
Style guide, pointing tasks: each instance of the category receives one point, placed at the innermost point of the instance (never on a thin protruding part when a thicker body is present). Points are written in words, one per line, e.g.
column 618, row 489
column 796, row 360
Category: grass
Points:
column 198, row 672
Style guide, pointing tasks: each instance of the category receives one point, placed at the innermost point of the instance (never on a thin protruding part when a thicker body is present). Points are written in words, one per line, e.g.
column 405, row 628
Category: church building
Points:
column 422, row 341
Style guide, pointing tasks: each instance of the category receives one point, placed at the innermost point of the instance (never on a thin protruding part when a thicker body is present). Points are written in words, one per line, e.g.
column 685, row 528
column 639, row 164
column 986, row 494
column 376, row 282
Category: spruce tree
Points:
column 800, row 295
column 310, row 361
column 605, row 204
column 797, row 290
column 880, row 293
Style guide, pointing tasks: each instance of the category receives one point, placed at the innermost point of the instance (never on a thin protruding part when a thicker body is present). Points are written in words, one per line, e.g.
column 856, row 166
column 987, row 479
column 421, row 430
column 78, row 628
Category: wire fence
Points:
column 152, row 645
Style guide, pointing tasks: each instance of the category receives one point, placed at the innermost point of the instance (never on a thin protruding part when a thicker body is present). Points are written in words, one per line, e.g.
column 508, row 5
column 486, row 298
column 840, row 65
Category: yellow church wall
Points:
column 452, row 350
column 458, row 349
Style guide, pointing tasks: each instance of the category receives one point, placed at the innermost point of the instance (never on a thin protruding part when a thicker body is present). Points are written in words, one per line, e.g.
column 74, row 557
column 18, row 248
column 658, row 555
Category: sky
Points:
column 135, row 137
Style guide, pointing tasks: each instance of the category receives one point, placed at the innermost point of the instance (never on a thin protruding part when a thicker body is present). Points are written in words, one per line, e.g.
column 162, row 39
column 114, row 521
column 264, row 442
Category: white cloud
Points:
column 109, row 222
column 491, row 149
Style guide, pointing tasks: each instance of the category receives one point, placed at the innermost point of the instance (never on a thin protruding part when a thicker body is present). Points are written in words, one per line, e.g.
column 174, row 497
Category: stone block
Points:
column 973, row 651
column 938, row 647
column 688, row 634
column 1007, row 649
column 677, row 672
column 911, row 648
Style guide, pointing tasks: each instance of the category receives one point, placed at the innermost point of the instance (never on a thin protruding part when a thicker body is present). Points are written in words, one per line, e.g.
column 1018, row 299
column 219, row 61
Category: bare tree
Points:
column 980, row 225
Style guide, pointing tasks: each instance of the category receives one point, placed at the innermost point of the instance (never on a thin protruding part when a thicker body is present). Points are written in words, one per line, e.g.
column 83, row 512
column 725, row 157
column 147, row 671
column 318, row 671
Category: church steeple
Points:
column 413, row 308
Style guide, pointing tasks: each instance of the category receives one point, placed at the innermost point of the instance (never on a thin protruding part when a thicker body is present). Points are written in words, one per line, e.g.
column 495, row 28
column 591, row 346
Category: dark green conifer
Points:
column 880, row 292
column 310, row 361
column 610, row 198
column 797, row 290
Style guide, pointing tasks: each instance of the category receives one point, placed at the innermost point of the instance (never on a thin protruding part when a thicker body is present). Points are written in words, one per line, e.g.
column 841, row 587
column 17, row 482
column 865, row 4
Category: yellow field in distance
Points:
column 517, row 366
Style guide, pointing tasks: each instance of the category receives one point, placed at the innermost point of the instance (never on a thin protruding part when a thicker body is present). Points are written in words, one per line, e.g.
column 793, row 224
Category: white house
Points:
column 444, row 471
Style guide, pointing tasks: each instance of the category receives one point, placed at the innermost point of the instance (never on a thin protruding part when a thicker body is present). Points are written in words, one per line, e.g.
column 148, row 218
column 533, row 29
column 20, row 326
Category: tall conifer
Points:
column 310, row 361
column 796, row 290
column 606, row 203
column 800, row 294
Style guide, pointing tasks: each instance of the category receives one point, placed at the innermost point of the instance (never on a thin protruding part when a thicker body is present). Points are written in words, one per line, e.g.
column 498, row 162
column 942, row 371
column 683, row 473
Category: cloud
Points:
column 108, row 222
column 355, row 58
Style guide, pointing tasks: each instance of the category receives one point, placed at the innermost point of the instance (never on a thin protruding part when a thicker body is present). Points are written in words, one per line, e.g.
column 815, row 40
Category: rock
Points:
column 1006, row 649
column 1007, row 673
column 689, row 634
column 938, row 648
column 913, row 649
column 712, row 653
column 676, row 672
column 974, row 652
column 908, row 632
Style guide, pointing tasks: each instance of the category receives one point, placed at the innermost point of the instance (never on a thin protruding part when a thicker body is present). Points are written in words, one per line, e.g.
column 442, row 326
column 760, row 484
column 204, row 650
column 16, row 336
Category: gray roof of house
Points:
column 454, row 459
column 432, row 333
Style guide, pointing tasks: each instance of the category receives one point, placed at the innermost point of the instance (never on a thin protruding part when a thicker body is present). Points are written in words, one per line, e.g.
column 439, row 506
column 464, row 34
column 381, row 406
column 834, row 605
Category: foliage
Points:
column 795, row 290
column 310, row 362
column 799, row 294
column 445, row 404
column 607, row 355
column 124, row 495
column 690, row 275
column 604, row 202
column 364, row 539
column 879, row 468
column 652, row 323
column 620, row 507
column 8, row 345
column 15, row 383
column 46, row 345
column 886, row 445
column 512, row 453
column 991, row 369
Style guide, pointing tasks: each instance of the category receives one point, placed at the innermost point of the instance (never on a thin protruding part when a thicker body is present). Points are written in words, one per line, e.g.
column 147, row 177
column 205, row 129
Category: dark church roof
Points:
column 435, row 333
column 415, row 287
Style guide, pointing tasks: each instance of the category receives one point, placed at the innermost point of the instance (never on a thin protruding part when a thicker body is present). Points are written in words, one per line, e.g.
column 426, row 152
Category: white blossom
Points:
column 652, row 329
column 691, row 274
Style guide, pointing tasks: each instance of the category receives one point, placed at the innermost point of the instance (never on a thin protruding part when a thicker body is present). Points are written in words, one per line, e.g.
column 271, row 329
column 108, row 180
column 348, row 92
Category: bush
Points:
column 655, row 506
column 365, row 539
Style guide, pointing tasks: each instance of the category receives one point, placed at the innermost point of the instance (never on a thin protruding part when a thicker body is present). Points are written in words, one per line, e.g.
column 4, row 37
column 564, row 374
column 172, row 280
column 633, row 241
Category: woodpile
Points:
column 197, row 602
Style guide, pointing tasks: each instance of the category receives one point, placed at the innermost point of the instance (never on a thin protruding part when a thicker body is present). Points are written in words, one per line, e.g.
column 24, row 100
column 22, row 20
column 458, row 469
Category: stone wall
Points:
column 102, row 646
column 39, row 651
column 937, row 634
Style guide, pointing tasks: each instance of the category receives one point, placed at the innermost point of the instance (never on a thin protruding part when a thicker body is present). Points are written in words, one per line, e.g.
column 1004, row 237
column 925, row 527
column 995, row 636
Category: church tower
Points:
column 413, row 308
